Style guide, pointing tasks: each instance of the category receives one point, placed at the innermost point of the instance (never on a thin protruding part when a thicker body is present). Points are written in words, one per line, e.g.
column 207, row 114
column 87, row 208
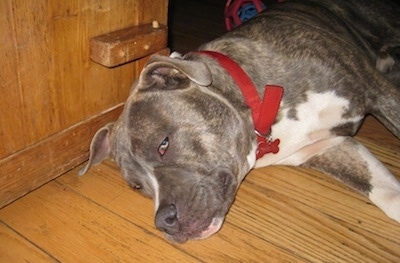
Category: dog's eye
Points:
column 162, row 148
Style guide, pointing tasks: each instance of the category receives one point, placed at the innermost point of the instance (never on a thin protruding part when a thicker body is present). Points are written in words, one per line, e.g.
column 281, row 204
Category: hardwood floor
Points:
column 281, row 214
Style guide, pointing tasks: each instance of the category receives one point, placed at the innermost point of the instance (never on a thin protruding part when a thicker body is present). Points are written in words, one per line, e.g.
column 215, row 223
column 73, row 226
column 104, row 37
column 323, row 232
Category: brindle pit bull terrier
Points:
column 187, row 134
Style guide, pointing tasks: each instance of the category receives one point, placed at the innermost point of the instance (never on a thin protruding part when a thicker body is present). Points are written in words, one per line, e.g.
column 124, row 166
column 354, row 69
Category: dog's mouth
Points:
column 183, row 221
column 190, row 211
column 185, row 235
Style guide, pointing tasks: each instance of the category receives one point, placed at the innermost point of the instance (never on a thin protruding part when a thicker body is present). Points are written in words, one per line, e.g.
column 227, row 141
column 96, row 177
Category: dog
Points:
column 289, row 87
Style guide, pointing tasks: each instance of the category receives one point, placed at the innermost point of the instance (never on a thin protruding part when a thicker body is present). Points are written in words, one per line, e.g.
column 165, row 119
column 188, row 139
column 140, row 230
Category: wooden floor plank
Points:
column 290, row 215
column 374, row 131
column 72, row 228
column 15, row 248
column 325, row 195
column 112, row 192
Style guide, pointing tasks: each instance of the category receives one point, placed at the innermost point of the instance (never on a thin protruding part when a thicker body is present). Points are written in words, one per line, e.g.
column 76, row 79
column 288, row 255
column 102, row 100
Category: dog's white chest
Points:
column 307, row 134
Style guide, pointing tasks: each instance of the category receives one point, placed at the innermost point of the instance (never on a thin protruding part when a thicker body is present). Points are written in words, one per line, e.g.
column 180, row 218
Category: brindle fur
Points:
column 346, row 48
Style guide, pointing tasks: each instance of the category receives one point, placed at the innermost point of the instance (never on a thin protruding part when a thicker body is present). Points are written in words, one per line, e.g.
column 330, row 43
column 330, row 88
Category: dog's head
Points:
column 181, row 144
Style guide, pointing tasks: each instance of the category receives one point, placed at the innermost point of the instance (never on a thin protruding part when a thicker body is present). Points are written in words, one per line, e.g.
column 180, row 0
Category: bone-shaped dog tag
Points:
column 268, row 147
column 272, row 147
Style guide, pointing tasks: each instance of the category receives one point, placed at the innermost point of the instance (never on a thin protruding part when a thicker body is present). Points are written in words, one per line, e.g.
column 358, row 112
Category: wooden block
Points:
column 128, row 44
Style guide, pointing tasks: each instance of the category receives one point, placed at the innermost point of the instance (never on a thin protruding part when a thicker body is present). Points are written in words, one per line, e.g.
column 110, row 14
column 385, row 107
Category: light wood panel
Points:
column 48, row 80
column 49, row 84
column 11, row 104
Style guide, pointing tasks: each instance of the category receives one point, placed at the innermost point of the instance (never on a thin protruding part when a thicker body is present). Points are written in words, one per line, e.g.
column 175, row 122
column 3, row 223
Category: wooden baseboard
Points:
column 36, row 165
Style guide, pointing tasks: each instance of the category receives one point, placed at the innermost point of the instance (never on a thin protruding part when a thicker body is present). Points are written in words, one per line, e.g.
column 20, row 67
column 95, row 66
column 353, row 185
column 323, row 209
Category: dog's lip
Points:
column 214, row 226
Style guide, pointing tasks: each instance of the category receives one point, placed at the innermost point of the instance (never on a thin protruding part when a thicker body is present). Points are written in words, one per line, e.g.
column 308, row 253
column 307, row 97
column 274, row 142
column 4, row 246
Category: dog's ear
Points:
column 99, row 147
column 166, row 72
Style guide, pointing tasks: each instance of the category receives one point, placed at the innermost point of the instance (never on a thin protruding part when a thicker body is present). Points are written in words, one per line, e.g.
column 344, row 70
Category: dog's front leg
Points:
column 351, row 163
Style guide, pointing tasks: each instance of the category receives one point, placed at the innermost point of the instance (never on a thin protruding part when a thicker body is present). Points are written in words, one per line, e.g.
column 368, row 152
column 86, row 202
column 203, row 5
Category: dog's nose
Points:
column 167, row 220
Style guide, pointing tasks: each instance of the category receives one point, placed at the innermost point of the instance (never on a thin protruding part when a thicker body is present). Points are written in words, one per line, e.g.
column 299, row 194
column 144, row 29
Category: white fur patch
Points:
column 316, row 117
column 251, row 157
column 385, row 187
column 175, row 55
column 156, row 189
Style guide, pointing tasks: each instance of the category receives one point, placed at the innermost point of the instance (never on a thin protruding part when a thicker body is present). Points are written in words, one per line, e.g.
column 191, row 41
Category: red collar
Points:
column 263, row 111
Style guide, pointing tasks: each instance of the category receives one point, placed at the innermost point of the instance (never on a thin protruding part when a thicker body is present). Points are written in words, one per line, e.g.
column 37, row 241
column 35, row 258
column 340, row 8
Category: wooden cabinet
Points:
column 53, row 97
